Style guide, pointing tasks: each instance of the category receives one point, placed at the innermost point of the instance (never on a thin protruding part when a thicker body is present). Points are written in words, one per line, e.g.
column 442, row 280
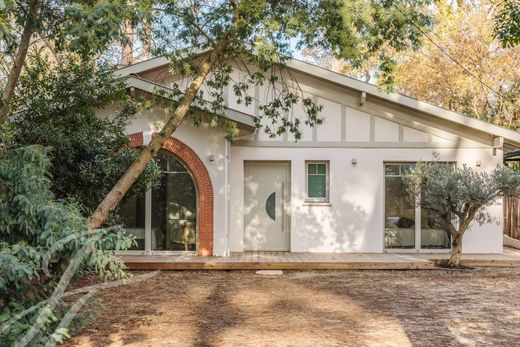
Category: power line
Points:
column 446, row 53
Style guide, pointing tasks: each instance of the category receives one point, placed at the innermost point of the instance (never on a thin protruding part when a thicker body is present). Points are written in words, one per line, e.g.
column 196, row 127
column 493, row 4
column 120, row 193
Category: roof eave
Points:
column 244, row 120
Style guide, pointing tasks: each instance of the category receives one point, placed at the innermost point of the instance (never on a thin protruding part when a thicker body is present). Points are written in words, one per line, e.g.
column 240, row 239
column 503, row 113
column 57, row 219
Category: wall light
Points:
column 354, row 161
column 211, row 158
column 479, row 163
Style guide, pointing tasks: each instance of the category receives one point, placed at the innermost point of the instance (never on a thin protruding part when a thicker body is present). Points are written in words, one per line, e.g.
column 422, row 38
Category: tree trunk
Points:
column 456, row 250
column 19, row 59
column 127, row 54
column 456, row 243
column 146, row 51
column 132, row 173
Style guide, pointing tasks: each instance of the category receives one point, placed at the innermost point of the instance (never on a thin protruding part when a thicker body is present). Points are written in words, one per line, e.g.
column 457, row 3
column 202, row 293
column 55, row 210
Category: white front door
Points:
column 266, row 202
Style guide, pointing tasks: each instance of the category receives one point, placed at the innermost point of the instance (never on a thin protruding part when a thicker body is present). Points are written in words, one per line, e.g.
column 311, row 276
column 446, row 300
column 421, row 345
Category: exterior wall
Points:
column 354, row 219
column 373, row 131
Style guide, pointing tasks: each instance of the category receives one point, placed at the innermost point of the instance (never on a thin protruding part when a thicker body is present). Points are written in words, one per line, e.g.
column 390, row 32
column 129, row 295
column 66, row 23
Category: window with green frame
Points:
column 317, row 187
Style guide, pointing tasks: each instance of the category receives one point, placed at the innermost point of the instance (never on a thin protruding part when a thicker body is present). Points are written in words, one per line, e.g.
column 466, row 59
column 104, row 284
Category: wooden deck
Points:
column 314, row 261
column 279, row 261
column 510, row 258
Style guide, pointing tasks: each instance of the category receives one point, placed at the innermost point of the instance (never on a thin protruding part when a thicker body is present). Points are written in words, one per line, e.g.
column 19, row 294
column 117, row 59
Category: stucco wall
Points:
column 354, row 221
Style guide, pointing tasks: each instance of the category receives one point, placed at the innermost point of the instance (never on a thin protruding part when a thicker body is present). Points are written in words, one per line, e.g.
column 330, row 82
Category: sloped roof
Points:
column 511, row 138
column 244, row 121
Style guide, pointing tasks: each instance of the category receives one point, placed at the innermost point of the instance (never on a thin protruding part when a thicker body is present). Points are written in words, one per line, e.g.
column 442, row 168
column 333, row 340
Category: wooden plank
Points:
column 278, row 257
column 514, row 219
column 507, row 225
column 305, row 256
column 312, row 261
column 298, row 257
column 280, row 266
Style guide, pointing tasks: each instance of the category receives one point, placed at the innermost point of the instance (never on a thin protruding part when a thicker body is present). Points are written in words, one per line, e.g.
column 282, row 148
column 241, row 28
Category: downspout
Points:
column 227, row 191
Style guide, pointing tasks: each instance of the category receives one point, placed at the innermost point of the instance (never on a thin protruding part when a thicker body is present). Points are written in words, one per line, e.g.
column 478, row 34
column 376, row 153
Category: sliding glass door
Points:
column 407, row 225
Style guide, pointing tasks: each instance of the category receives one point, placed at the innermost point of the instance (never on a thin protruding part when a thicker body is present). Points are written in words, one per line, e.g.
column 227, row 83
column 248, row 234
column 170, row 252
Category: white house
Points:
column 338, row 189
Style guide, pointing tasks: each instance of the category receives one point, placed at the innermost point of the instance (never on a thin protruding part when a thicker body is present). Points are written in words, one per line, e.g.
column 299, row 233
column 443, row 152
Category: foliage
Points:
column 56, row 107
column 83, row 26
column 209, row 38
column 32, row 223
column 378, row 62
column 456, row 64
column 471, row 63
column 507, row 22
column 263, row 34
column 460, row 194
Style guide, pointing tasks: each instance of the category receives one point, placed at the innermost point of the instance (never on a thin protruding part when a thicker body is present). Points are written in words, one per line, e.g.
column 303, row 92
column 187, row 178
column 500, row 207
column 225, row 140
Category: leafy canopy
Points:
column 56, row 107
column 452, row 191
column 259, row 36
column 507, row 22
column 491, row 89
column 83, row 26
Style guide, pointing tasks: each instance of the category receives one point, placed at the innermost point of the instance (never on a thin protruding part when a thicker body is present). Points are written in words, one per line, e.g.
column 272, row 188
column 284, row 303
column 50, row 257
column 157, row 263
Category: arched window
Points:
column 174, row 207
column 170, row 208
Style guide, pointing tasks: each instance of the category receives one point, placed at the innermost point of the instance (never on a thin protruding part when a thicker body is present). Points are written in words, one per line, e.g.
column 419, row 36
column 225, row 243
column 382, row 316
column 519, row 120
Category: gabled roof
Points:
column 512, row 138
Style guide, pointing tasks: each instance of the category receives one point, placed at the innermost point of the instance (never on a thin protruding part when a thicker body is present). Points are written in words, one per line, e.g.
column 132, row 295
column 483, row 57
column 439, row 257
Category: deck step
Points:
column 279, row 261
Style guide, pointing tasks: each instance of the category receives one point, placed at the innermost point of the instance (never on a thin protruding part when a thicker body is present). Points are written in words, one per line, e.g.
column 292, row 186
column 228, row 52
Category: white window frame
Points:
column 326, row 199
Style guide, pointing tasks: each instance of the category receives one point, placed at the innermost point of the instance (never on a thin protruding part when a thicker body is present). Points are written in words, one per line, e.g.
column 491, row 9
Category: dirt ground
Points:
column 311, row 308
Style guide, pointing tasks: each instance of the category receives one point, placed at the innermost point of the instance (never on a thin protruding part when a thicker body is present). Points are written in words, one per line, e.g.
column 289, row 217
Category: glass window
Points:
column 132, row 213
column 172, row 224
column 174, row 207
column 434, row 230
column 400, row 211
column 399, row 208
column 317, row 181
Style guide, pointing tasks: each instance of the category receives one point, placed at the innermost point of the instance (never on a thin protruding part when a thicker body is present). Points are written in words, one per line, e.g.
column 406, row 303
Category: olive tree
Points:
column 206, row 38
column 460, row 195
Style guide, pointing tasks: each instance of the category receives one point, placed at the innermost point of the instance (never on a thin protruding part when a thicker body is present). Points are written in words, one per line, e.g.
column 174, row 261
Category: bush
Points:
column 32, row 224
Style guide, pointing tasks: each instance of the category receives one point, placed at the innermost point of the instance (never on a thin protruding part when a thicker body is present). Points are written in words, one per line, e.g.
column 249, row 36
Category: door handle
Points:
column 283, row 206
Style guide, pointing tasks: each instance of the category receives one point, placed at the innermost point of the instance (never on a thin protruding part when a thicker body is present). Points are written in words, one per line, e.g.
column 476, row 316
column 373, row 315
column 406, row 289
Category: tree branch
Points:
column 19, row 59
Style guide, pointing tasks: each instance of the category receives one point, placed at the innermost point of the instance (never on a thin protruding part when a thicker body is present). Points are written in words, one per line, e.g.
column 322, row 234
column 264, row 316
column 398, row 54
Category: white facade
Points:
column 356, row 140
column 354, row 219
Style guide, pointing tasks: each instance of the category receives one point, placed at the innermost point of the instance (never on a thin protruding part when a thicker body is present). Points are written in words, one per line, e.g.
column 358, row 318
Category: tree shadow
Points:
column 215, row 315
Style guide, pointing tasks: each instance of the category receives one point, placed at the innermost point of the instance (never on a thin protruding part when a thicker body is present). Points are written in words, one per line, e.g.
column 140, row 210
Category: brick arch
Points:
column 203, row 182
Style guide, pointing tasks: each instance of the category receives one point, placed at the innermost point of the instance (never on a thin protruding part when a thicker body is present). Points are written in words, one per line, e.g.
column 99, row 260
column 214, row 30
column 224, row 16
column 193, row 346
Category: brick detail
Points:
column 136, row 140
column 204, row 187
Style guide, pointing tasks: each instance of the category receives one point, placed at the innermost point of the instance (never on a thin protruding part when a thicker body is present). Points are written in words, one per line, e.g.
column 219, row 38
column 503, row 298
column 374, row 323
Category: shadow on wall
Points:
column 328, row 228
column 347, row 224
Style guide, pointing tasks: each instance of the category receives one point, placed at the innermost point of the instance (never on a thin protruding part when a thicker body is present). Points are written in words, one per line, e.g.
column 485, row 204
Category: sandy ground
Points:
column 311, row 308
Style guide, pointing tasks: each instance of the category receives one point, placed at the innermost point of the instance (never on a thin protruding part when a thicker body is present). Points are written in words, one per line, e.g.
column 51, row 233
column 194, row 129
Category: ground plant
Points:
column 39, row 237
